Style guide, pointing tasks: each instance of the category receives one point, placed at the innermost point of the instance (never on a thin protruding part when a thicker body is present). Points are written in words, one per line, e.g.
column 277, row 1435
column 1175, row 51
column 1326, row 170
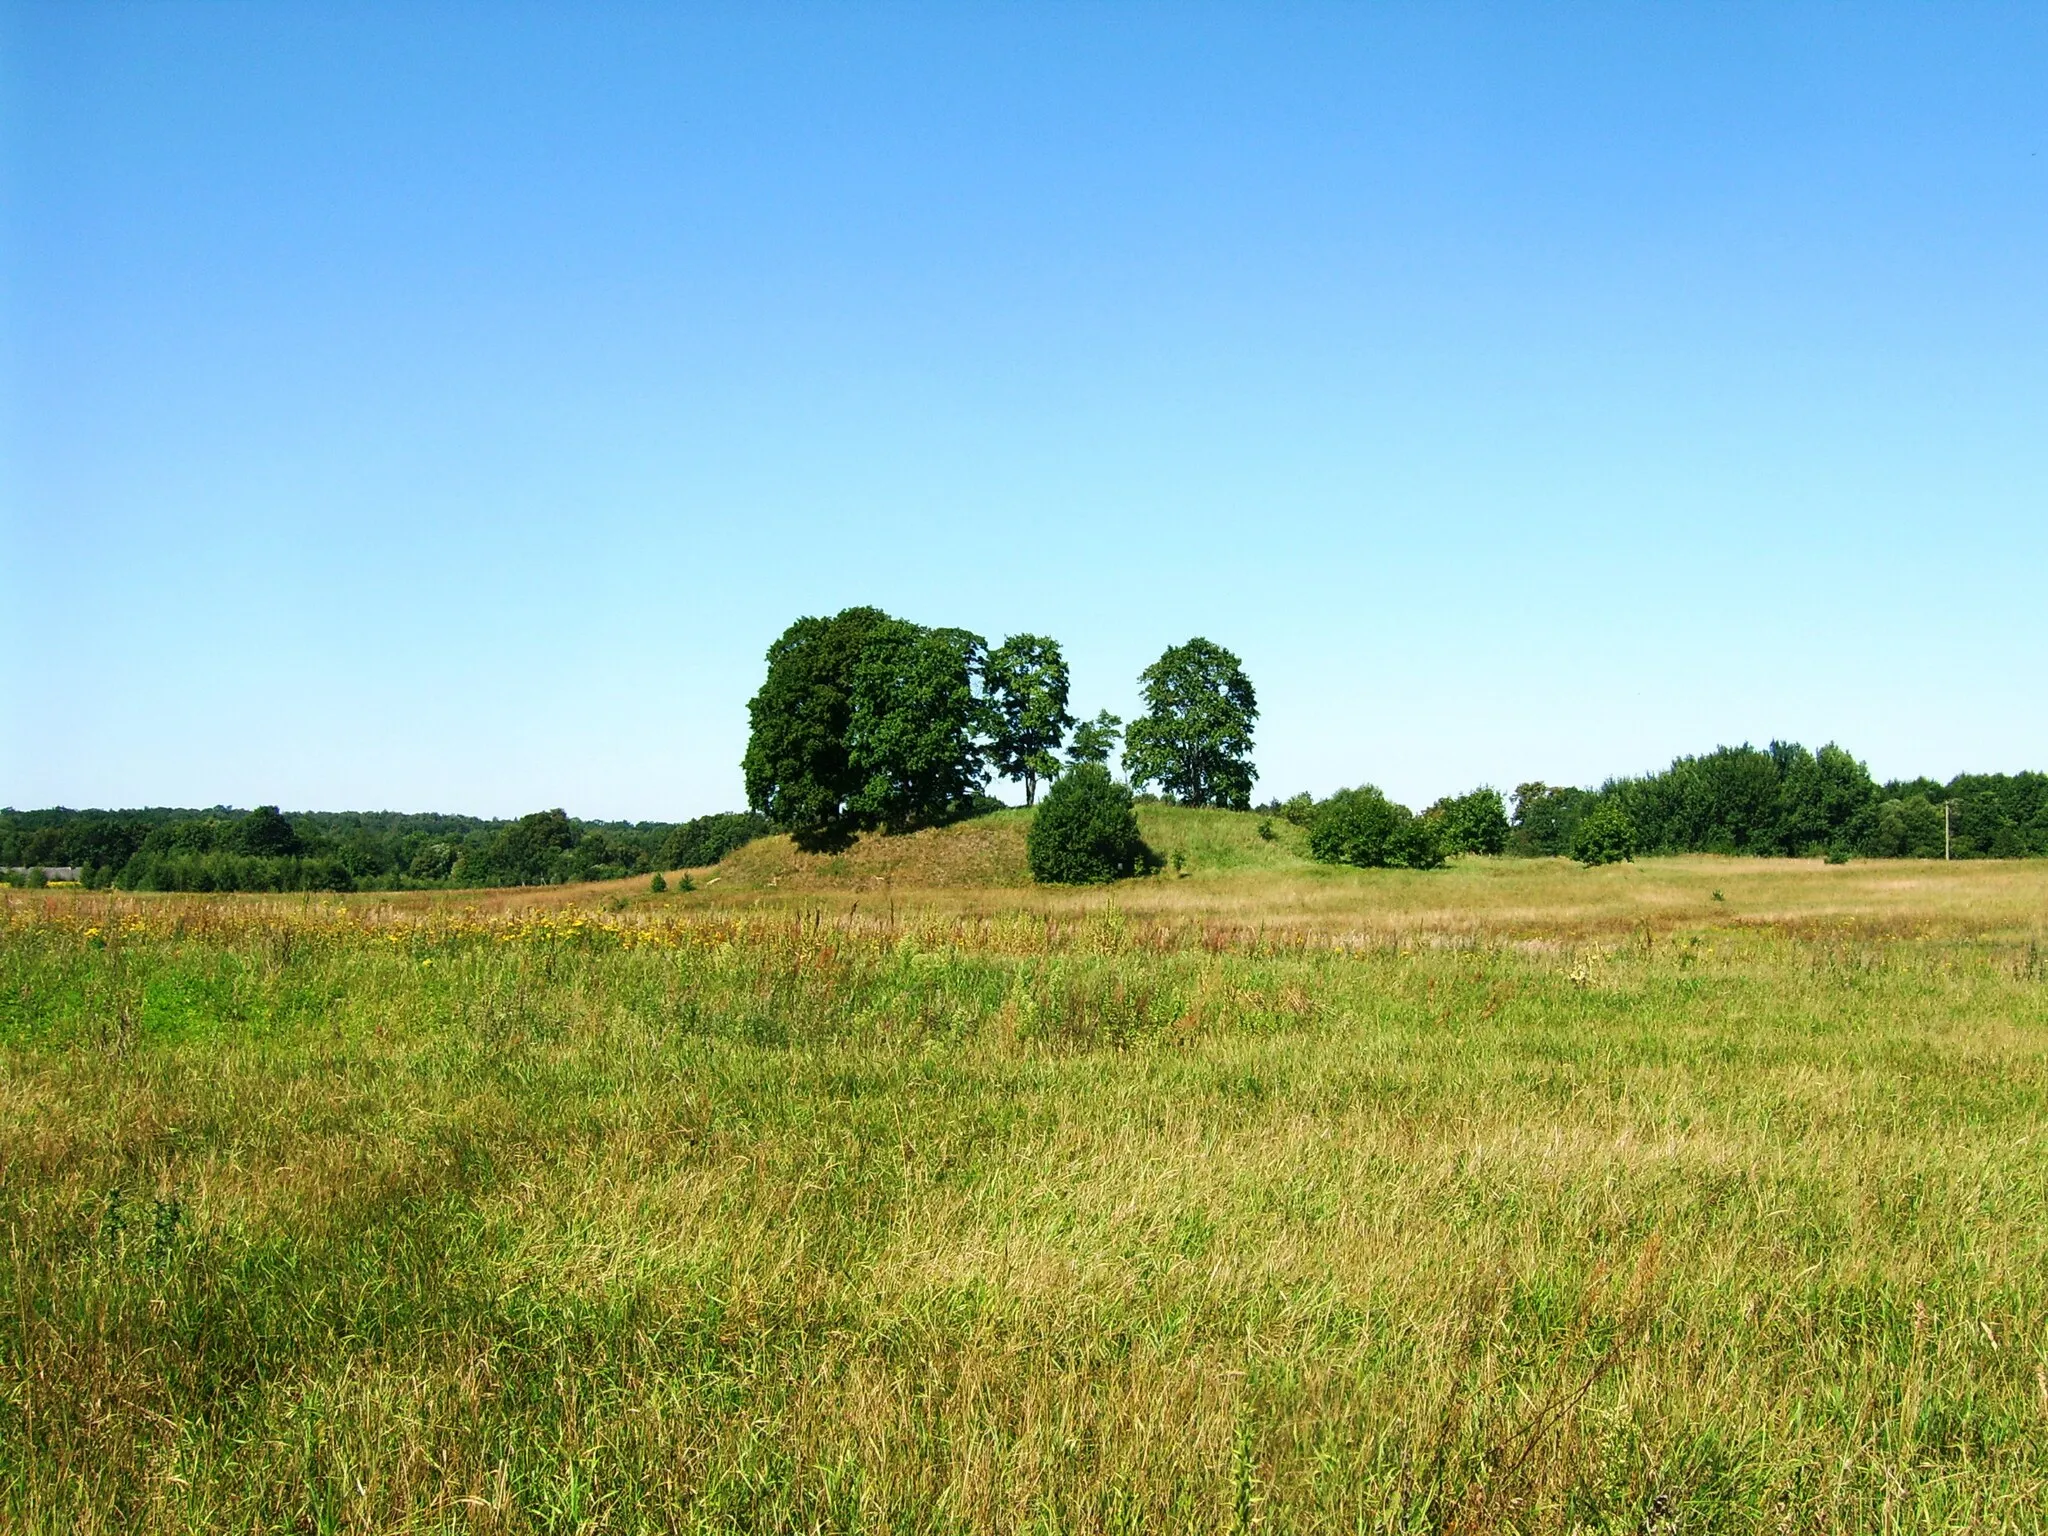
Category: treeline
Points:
column 264, row 850
column 1778, row 801
column 1785, row 801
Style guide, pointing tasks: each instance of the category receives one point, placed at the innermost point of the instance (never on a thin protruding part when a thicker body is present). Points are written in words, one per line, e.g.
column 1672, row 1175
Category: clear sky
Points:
column 444, row 406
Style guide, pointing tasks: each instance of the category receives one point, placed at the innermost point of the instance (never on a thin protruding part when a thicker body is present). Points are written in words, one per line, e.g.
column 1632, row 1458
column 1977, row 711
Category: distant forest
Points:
column 263, row 850
column 1784, row 800
column 1780, row 800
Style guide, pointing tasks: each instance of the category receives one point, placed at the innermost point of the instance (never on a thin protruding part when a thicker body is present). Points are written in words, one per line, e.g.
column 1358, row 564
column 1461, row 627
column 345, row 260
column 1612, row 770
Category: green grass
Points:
column 1224, row 842
column 325, row 1218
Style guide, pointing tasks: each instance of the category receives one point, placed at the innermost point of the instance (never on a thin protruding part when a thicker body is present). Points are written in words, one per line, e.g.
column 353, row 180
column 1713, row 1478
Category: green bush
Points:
column 1362, row 826
column 1474, row 823
column 1605, row 836
column 1086, row 831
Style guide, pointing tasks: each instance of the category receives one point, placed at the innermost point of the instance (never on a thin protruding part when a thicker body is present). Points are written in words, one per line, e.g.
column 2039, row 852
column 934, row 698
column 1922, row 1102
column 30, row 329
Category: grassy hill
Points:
column 989, row 852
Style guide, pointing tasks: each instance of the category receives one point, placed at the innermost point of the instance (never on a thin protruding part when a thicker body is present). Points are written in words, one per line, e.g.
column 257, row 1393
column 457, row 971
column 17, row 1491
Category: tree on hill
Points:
column 1095, row 740
column 864, row 721
column 797, row 768
column 911, row 737
column 1087, row 830
column 1195, row 739
column 1024, row 683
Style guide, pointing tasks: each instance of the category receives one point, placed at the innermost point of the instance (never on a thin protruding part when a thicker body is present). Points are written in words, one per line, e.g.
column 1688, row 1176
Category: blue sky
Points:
column 443, row 407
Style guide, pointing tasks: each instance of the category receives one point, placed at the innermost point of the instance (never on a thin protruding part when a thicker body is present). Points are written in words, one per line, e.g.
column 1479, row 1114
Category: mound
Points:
column 987, row 851
column 1213, row 841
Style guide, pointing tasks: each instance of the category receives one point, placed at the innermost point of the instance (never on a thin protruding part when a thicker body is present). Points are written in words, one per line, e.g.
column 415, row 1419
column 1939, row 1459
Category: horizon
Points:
column 440, row 406
column 1262, row 805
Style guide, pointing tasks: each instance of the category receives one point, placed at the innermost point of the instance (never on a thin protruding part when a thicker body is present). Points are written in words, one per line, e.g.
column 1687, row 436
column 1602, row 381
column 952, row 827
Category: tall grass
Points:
column 355, row 1218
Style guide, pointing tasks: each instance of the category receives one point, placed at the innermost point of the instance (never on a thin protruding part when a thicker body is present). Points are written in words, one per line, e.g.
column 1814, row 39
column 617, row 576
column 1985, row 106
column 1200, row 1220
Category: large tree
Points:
column 910, row 738
column 863, row 721
column 1024, row 682
column 1195, row 740
column 797, row 770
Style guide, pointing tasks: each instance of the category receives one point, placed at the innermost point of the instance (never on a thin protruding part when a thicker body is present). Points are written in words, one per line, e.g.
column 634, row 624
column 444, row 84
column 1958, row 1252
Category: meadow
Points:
column 883, row 1191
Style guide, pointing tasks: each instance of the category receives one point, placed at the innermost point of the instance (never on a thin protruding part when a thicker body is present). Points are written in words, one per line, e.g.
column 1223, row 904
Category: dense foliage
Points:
column 1095, row 740
column 1025, row 682
column 1362, row 826
column 708, row 839
column 1605, row 835
column 1785, row 800
column 1087, row 830
column 1472, row 823
column 263, row 850
column 866, row 721
column 1195, row 739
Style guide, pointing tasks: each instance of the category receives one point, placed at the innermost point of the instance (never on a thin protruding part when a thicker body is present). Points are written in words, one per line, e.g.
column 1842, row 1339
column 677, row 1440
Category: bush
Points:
column 1474, row 823
column 1086, row 831
column 1605, row 836
column 658, row 884
column 1362, row 826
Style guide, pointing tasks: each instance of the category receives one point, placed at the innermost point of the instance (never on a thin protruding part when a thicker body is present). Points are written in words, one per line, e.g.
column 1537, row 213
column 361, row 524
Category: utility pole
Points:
column 1947, row 836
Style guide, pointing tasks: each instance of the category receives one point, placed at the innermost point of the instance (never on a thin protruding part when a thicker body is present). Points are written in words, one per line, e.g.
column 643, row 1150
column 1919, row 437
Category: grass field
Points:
column 895, row 1194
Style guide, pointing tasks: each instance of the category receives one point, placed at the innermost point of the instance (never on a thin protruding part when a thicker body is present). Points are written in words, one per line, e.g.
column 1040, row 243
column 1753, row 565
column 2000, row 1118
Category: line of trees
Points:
column 1787, row 801
column 867, row 722
column 1782, row 801
column 264, row 850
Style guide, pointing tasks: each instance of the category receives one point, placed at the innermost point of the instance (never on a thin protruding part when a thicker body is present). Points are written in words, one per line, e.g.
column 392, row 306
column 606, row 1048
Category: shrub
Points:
column 1474, row 823
column 1362, row 826
column 1086, row 831
column 1605, row 836
column 658, row 884
column 1416, row 843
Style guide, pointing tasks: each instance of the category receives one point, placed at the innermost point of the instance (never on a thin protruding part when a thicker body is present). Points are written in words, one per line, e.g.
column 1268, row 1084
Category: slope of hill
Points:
column 989, row 852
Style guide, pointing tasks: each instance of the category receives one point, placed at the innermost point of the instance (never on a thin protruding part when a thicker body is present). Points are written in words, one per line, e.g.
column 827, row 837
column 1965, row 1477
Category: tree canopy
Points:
column 1096, row 740
column 798, row 768
column 865, row 721
column 1024, row 682
column 1195, row 739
